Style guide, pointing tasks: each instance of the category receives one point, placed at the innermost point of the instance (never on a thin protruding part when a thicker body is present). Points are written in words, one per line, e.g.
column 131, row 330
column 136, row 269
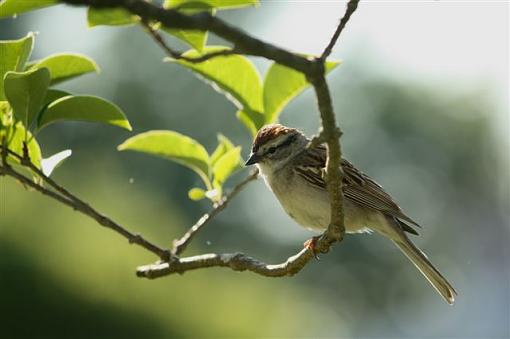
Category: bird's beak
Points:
column 253, row 159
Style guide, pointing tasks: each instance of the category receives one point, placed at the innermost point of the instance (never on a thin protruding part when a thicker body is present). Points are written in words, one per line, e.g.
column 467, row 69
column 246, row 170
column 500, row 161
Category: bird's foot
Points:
column 311, row 245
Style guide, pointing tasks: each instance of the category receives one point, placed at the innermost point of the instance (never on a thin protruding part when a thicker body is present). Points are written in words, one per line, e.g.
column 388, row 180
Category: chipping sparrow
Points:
column 295, row 175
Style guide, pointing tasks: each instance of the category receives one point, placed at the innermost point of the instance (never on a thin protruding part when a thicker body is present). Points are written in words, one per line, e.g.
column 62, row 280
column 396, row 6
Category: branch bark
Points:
column 235, row 261
column 334, row 174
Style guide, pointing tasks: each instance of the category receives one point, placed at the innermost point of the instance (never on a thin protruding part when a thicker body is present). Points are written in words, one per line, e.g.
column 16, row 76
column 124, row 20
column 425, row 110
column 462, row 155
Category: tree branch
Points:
column 234, row 261
column 171, row 18
column 179, row 245
column 351, row 8
column 330, row 134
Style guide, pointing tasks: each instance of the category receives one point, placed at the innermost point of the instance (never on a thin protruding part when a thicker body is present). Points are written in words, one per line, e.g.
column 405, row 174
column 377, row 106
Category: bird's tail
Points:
column 421, row 262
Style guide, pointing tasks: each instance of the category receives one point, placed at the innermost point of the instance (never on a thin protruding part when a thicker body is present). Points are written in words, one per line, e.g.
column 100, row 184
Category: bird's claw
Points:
column 311, row 244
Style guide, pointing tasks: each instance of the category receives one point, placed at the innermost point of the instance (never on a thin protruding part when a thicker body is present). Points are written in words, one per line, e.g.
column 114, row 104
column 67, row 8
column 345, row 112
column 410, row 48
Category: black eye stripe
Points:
column 283, row 144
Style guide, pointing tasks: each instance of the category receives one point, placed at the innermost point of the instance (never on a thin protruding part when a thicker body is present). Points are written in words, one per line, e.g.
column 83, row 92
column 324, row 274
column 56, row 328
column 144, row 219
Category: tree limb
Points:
column 334, row 174
column 235, row 261
column 204, row 21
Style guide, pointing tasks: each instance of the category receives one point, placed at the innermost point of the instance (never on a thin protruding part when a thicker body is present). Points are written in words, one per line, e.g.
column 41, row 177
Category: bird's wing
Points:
column 357, row 186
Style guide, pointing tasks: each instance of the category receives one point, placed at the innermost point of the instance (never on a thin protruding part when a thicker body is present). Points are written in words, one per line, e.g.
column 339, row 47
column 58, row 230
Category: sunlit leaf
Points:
column 173, row 146
column 48, row 165
column 196, row 39
column 227, row 165
column 110, row 17
column 14, row 54
column 219, row 4
column 26, row 91
column 224, row 145
column 281, row 85
column 83, row 108
column 233, row 74
column 15, row 136
column 65, row 66
column 15, row 7
column 5, row 116
column 196, row 194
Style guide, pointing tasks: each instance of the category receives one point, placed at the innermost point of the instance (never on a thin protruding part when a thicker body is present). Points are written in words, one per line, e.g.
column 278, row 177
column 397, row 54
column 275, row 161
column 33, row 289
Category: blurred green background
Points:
column 422, row 97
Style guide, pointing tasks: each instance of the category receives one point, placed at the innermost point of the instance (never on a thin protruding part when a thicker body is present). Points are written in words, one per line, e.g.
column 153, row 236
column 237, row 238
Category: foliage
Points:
column 237, row 77
column 214, row 170
column 28, row 103
column 33, row 104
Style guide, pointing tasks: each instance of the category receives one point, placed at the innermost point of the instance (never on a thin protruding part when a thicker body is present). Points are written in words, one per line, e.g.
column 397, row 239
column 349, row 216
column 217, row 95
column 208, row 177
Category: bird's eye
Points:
column 271, row 150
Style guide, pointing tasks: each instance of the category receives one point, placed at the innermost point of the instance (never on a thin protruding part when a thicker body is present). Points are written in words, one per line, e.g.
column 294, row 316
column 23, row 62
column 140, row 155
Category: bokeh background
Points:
column 422, row 97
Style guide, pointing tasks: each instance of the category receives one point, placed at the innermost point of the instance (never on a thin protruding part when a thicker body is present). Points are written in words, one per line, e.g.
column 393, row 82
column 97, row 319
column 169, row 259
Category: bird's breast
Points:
column 309, row 206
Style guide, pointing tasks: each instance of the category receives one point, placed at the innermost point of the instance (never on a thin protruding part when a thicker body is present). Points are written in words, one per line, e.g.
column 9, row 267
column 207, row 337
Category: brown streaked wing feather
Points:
column 357, row 186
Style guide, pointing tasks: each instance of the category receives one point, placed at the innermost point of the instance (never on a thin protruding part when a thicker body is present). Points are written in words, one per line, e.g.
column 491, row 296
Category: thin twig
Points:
column 77, row 204
column 208, row 56
column 179, row 55
column 351, row 8
column 180, row 245
column 234, row 261
column 25, row 161
column 9, row 171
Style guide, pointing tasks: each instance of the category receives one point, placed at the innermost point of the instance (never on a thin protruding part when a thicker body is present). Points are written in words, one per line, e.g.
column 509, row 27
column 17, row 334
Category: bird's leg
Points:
column 311, row 244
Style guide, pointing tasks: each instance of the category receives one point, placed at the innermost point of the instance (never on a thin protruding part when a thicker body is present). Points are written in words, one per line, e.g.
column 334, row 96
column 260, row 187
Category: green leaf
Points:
column 110, row 17
column 83, row 108
column 234, row 74
column 196, row 194
column 15, row 54
column 281, row 85
column 26, row 92
column 15, row 7
column 224, row 145
column 173, row 146
column 15, row 136
column 219, row 4
column 196, row 39
column 48, row 165
column 63, row 67
column 227, row 165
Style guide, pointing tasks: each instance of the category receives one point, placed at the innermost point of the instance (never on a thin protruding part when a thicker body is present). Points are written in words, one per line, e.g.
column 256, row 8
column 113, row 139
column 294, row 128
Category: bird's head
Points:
column 274, row 145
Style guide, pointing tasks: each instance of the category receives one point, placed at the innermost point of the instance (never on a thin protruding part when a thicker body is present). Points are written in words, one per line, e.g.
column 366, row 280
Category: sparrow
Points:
column 295, row 174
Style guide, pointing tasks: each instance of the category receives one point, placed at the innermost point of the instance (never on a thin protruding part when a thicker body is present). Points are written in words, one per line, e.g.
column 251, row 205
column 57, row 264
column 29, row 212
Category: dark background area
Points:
column 424, row 110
